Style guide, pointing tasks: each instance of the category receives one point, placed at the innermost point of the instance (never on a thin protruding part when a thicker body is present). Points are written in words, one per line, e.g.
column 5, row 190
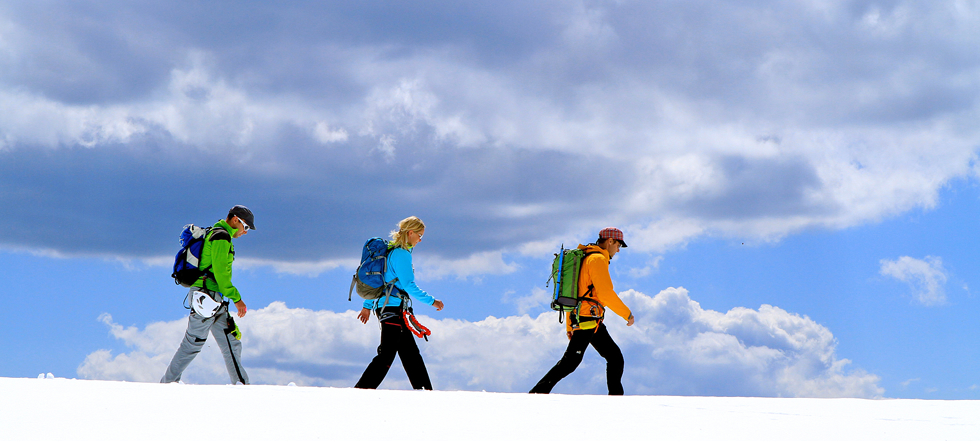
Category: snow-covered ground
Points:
column 63, row 409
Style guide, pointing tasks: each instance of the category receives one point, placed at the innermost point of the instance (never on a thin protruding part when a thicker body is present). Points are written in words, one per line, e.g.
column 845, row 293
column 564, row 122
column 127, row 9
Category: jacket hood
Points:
column 594, row 248
column 223, row 224
column 392, row 244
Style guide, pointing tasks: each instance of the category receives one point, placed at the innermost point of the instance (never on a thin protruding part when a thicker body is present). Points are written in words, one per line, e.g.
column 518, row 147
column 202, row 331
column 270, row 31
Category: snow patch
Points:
column 106, row 411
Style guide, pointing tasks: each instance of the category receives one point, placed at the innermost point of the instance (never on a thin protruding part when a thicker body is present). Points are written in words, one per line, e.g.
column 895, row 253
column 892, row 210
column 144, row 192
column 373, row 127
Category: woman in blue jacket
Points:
column 396, row 336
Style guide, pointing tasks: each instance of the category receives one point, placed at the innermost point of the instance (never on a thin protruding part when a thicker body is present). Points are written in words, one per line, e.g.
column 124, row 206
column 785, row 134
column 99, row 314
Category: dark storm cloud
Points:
column 752, row 56
column 317, row 204
column 496, row 122
column 85, row 52
column 97, row 52
column 713, row 49
column 805, row 60
column 758, row 188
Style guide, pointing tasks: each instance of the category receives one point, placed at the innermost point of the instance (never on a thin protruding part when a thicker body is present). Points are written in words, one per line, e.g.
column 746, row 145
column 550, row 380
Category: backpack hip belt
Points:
column 392, row 290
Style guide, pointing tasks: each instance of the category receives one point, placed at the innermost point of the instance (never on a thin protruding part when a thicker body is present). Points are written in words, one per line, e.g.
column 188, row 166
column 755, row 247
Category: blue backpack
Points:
column 369, row 279
column 187, row 263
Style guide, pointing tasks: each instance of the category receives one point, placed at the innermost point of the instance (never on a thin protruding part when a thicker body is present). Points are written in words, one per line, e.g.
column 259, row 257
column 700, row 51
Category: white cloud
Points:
column 387, row 146
column 587, row 27
column 534, row 302
column 404, row 105
column 652, row 266
column 307, row 268
column 675, row 347
column 767, row 352
column 409, row 104
column 482, row 263
column 198, row 107
column 663, row 234
column 154, row 346
column 277, row 340
column 549, row 247
column 926, row 278
column 325, row 134
column 35, row 120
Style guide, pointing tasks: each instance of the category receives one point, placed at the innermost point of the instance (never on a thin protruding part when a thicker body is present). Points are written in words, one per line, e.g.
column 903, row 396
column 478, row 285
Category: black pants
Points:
column 603, row 343
column 396, row 339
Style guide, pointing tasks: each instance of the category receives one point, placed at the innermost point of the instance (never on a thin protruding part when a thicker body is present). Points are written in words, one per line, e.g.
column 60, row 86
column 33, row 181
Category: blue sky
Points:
column 797, row 183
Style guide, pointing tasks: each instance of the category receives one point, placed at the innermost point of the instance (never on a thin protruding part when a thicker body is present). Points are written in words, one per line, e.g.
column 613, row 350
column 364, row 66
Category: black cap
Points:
column 244, row 214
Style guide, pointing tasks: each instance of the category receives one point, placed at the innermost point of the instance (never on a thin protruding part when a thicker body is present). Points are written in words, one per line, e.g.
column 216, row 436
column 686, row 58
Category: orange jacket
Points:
column 595, row 272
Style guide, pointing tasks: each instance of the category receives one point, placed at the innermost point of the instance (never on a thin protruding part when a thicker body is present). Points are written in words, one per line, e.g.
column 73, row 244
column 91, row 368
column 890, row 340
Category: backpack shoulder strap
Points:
column 591, row 287
column 590, row 253
column 218, row 234
column 385, row 270
column 214, row 234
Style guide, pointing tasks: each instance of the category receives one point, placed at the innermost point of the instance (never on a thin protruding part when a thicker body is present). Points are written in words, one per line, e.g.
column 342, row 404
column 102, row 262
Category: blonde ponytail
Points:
column 400, row 236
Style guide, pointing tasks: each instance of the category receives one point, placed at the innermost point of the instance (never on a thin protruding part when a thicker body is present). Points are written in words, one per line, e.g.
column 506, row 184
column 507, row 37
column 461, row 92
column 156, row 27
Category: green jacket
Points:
column 219, row 255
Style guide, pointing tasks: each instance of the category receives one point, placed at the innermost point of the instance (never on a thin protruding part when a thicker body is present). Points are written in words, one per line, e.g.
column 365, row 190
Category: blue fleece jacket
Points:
column 400, row 266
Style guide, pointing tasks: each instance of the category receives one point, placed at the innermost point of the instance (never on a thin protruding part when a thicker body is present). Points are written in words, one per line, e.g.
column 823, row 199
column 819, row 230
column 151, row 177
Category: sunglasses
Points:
column 244, row 224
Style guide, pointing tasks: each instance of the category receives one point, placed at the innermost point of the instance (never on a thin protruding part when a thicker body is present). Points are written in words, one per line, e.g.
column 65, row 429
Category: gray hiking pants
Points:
column 194, row 338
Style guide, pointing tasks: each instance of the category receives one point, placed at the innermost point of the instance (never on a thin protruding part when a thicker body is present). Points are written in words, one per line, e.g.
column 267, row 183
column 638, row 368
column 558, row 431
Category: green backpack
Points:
column 565, row 271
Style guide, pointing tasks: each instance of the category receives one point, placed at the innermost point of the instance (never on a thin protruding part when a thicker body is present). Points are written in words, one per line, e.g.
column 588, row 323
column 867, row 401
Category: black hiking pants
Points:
column 603, row 343
column 396, row 338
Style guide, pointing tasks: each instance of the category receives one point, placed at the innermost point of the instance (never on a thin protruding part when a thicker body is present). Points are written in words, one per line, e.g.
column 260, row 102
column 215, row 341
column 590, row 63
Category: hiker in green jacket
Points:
column 210, row 309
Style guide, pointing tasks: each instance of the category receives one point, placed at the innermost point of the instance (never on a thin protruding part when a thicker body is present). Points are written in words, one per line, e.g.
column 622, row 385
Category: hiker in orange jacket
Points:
column 585, row 323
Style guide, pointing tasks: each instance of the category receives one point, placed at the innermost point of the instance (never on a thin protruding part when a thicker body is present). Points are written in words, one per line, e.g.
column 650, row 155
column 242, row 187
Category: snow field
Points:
column 62, row 409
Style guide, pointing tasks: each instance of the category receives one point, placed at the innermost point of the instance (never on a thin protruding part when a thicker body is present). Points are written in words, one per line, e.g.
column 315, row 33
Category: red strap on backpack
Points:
column 413, row 325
